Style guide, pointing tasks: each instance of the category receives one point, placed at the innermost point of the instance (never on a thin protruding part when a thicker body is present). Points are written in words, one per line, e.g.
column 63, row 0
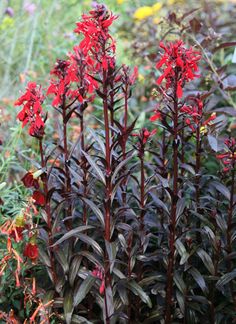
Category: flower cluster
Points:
column 16, row 231
column 67, row 74
column 180, row 65
column 30, row 180
column 31, row 112
column 97, row 41
column 193, row 114
column 228, row 158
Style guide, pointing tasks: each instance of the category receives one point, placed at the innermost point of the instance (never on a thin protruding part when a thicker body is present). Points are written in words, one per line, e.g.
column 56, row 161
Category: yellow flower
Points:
column 203, row 130
column 156, row 7
column 147, row 11
column 143, row 12
column 141, row 77
column 119, row 2
column 6, row 23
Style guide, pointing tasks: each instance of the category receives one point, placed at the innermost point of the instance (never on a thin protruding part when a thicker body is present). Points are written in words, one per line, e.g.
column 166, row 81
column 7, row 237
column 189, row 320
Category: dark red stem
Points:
column 48, row 212
column 172, row 227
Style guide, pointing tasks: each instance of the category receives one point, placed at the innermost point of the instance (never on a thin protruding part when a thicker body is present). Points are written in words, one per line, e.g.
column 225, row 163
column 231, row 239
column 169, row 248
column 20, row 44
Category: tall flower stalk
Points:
column 32, row 114
column 179, row 66
column 100, row 47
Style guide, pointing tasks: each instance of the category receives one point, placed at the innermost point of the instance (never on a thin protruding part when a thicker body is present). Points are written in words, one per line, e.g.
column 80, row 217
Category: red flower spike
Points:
column 179, row 64
column 31, row 112
column 94, row 28
column 31, row 251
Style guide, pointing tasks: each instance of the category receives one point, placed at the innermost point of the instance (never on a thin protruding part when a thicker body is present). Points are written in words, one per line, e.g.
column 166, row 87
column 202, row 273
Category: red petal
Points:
column 179, row 91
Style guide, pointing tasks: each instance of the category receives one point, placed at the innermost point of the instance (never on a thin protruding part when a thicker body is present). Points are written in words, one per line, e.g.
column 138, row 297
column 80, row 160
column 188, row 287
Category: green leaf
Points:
column 120, row 166
column 61, row 257
column 181, row 204
column 182, row 251
column 221, row 188
column 72, row 233
column 2, row 185
column 213, row 142
column 226, row 278
column 199, row 279
column 76, row 319
column 74, row 268
column 206, row 259
column 188, row 167
column 91, row 257
column 44, row 257
column 159, row 203
column 181, row 301
column 111, row 248
column 180, row 283
column 96, row 210
column 137, row 290
column 97, row 138
column 95, row 168
column 87, row 239
column 81, row 291
column 68, row 306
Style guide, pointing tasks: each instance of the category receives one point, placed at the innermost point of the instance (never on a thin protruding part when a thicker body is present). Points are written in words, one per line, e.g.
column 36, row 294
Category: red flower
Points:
column 32, row 110
column 180, row 65
column 228, row 158
column 144, row 135
column 31, row 251
column 39, row 198
column 194, row 111
column 156, row 116
column 17, row 233
column 29, row 181
column 210, row 119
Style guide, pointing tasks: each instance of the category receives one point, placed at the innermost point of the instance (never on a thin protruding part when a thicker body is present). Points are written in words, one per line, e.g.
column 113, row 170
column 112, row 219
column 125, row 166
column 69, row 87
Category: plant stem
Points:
column 48, row 212
column 84, row 162
column 108, row 189
column 197, row 179
column 124, row 141
column 142, row 193
column 172, row 234
column 229, row 229
column 67, row 171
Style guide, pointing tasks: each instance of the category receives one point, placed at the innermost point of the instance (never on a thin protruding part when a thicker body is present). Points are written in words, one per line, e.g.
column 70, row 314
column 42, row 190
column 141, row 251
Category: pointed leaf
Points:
column 96, row 210
column 137, row 290
column 95, row 167
column 68, row 306
column 83, row 290
column 72, row 233
column 206, row 259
